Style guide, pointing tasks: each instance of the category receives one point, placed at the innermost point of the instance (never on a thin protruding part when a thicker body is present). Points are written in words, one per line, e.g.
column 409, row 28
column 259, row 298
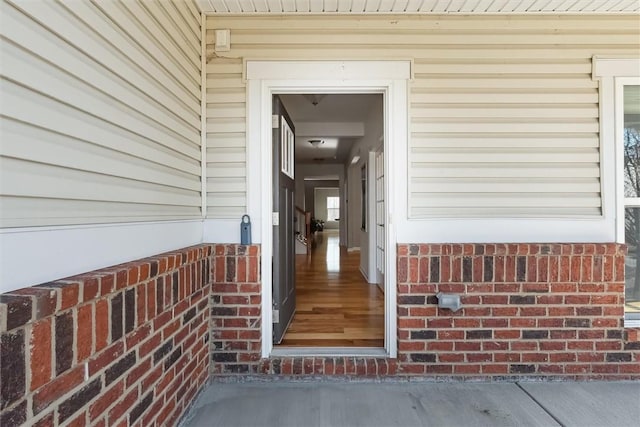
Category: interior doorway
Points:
column 337, row 302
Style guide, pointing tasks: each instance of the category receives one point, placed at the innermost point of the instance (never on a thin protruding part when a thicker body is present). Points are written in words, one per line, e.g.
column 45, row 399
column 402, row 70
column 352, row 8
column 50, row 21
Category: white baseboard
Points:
column 364, row 274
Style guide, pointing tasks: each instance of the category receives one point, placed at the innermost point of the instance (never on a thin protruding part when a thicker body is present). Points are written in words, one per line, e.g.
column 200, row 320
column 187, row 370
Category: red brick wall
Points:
column 125, row 346
column 528, row 309
column 531, row 310
column 235, row 310
column 141, row 330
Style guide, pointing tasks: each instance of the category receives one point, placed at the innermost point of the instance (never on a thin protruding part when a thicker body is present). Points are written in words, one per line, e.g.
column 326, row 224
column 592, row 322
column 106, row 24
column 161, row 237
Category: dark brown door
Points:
column 284, row 291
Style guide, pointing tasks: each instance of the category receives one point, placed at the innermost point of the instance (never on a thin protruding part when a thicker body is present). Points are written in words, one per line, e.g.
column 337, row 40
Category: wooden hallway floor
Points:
column 335, row 306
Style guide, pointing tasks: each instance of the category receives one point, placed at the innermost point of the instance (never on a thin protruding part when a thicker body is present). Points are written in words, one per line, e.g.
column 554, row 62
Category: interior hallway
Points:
column 335, row 306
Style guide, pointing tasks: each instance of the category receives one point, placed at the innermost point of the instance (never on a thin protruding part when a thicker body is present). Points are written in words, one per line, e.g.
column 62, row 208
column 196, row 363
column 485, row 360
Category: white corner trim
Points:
column 31, row 256
column 203, row 115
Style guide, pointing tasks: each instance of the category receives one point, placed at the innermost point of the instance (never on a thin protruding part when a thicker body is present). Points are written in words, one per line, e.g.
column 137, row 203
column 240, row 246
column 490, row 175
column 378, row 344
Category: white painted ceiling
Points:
column 418, row 6
column 338, row 116
column 330, row 108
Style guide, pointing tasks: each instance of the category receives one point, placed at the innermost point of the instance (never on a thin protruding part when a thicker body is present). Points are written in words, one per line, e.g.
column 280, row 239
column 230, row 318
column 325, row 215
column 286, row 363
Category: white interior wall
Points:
column 320, row 208
column 364, row 147
column 310, row 188
column 330, row 171
column 354, row 206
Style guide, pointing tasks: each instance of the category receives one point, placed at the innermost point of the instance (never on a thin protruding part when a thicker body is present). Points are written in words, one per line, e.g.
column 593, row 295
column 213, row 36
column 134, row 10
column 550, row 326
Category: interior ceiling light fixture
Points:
column 316, row 142
column 313, row 98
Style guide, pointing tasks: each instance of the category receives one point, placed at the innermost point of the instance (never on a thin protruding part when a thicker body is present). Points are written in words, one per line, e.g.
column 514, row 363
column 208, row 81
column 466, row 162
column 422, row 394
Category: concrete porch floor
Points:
column 368, row 404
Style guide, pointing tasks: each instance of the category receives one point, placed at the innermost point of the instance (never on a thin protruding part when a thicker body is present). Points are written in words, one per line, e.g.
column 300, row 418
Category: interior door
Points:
column 380, row 233
column 284, row 290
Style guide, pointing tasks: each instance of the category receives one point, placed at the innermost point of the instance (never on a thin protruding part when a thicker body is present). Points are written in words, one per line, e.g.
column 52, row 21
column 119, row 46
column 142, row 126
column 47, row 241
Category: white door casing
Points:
column 266, row 78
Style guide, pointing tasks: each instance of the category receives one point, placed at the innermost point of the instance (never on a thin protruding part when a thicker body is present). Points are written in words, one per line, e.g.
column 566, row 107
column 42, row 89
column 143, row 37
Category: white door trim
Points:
column 266, row 78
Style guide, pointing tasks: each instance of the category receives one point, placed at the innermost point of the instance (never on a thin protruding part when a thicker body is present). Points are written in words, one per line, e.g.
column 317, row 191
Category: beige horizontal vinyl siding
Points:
column 100, row 116
column 503, row 110
column 226, row 138
column 225, row 134
column 501, row 136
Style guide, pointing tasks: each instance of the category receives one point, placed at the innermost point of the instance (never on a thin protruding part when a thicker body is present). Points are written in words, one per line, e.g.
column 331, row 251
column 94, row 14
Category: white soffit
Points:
column 278, row 7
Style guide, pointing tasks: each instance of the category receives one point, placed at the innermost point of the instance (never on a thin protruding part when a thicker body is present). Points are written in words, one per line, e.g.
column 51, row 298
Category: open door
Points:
column 380, row 218
column 284, row 292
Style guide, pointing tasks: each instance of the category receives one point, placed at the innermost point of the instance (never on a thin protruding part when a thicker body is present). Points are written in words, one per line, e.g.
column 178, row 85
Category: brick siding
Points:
column 529, row 310
column 236, row 310
column 151, row 333
column 122, row 346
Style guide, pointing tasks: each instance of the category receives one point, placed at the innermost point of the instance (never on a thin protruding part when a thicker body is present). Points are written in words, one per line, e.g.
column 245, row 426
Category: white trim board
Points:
column 31, row 256
column 203, row 115
column 225, row 230
column 266, row 78
column 613, row 73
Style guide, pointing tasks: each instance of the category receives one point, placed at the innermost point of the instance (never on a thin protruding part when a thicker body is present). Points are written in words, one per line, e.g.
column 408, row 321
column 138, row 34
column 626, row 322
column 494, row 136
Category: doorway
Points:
column 266, row 78
column 338, row 302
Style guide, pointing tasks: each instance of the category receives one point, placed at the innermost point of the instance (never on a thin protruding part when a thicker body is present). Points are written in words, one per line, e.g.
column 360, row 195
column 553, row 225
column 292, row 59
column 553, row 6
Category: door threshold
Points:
column 283, row 351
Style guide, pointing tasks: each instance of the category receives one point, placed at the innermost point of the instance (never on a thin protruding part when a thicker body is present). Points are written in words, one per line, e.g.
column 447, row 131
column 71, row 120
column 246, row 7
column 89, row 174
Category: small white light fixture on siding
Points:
column 223, row 41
